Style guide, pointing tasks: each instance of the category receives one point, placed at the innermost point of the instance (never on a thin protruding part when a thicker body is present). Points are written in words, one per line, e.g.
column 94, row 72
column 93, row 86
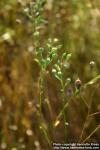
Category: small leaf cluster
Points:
column 60, row 67
column 34, row 12
column 45, row 55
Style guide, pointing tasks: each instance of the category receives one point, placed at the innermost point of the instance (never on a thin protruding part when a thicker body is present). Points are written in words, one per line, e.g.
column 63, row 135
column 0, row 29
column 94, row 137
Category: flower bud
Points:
column 59, row 73
column 92, row 64
column 36, row 34
column 54, row 71
column 78, row 83
column 55, row 40
column 18, row 21
column 68, row 80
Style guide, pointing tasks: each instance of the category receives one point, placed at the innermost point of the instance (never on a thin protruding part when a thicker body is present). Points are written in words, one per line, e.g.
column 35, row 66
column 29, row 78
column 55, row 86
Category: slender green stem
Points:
column 65, row 125
column 65, row 106
column 46, row 136
column 41, row 90
column 64, row 112
column 41, row 84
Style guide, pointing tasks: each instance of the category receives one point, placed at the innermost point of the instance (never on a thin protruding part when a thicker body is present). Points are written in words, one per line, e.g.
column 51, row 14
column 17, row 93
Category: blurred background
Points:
column 77, row 26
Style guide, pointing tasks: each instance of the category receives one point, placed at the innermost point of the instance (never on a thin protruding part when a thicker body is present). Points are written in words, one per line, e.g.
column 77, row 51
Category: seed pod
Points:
column 18, row 21
column 78, row 83
column 36, row 34
column 60, row 74
column 55, row 40
column 68, row 80
column 19, row 2
column 92, row 64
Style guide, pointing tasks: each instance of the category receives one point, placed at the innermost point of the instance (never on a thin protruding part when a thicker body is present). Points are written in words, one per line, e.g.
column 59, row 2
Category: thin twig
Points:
column 65, row 106
column 91, row 133
column 76, row 92
column 94, row 114
column 84, row 126
column 84, row 101
column 89, row 108
column 46, row 135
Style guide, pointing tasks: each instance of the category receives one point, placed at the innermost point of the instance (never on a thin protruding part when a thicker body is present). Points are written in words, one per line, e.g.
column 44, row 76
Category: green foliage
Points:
column 49, row 73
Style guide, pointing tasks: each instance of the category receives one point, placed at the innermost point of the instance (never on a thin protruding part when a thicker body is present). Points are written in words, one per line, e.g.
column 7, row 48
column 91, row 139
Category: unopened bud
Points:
column 78, row 83
column 92, row 64
column 55, row 40
column 18, row 21
column 36, row 34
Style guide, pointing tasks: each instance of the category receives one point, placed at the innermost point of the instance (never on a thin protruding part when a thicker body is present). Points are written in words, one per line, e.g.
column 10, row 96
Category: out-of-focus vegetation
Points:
column 35, row 107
